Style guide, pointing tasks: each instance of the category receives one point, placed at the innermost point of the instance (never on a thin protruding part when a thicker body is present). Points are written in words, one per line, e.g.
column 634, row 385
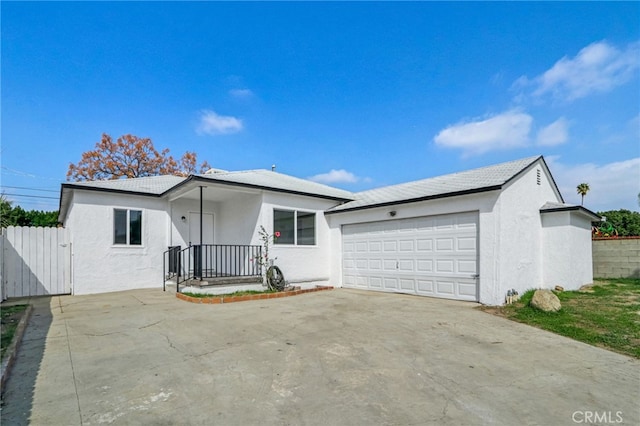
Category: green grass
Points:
column 607, row 317
column 9, row 319
column 235, row 293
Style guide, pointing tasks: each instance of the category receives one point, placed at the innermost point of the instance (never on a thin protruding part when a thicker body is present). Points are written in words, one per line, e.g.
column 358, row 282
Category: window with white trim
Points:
column 127, row 227
column 294, row 227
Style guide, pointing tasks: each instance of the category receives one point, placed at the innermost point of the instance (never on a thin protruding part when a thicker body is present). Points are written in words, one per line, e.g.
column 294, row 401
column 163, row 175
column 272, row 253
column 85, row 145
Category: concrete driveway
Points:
column 338, row 357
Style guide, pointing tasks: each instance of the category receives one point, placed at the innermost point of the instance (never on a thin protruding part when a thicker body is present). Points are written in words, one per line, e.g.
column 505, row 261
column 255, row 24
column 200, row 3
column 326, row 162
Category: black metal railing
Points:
column 210, row 261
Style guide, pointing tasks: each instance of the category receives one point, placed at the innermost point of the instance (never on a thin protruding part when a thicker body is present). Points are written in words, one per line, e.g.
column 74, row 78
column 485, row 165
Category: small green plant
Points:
column 235, row 293
column 10, row 318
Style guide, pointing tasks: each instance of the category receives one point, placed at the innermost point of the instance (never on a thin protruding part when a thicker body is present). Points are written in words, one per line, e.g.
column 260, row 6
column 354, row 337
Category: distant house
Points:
column 472, row 235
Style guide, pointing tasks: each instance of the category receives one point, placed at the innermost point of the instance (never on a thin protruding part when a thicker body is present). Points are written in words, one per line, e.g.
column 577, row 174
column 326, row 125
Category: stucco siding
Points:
column 238, row 220
column 179, row 235
column 520, row 252
column 306, row 266
column 567, row 250
column 99, row 266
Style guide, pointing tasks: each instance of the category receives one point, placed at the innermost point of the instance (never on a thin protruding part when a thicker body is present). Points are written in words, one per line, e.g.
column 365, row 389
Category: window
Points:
column 127, row 227
column 294, row 227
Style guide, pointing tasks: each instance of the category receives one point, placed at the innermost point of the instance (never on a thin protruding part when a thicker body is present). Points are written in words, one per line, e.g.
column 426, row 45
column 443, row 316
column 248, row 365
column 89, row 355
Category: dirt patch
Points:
column 494, row 310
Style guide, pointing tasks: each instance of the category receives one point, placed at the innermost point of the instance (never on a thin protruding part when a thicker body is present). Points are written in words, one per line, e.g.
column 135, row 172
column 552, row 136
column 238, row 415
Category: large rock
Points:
column 546, row 301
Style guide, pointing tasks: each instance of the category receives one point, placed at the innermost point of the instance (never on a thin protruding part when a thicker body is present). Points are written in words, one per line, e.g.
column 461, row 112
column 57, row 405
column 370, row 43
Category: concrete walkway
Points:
column 338, row 357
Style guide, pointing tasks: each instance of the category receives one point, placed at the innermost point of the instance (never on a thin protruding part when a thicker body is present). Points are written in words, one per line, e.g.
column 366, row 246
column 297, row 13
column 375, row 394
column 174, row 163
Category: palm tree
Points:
column 583, row 188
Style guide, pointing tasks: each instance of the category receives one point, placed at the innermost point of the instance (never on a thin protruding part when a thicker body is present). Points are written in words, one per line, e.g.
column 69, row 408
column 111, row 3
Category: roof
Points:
column 158, row 186
column 551, row 207
column 150, row 185
column 467, row 182
column 270, row 180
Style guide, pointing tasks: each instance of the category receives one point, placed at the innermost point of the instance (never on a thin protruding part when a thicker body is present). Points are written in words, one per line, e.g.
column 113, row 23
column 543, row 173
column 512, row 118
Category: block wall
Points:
column 616, row 258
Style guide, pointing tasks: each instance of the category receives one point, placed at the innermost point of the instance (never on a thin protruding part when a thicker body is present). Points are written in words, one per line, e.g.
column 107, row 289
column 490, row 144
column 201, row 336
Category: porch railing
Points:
column 210, row 261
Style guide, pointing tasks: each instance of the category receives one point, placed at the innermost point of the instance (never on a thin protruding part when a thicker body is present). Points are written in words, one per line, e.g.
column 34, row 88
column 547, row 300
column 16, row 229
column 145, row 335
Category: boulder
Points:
column 559, row 288
column 587, row 288
column 546, row 301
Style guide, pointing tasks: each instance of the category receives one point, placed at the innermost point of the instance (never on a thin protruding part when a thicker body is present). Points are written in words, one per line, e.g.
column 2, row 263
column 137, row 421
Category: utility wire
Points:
column 30, row 196
column 29, row 189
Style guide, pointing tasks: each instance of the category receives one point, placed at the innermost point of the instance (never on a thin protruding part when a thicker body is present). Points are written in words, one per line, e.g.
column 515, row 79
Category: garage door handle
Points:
column 476, row 276
column 397, row 265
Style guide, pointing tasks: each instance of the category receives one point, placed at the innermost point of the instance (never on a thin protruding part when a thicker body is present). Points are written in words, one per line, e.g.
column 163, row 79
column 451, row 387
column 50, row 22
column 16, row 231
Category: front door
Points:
column 194, row 228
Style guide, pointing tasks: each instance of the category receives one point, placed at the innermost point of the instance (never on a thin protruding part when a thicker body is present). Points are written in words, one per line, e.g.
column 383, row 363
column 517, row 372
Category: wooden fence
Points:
column 35, row 262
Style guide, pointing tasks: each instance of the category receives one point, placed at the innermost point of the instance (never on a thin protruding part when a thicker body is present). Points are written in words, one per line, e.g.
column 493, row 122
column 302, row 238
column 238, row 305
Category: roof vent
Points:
column 273, row 167
column 538, row 178
column 214, row 171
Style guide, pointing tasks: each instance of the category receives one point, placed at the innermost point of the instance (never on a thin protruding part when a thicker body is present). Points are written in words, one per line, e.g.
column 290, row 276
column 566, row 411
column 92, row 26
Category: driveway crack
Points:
column 150, row 325
column 73, row 372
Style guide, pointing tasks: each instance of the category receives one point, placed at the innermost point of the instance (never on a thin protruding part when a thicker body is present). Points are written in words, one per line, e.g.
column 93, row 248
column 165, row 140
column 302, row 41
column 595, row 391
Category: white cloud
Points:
column 241, row 93
column 612, row 186
column 335, row 176
column 597, row 68
column 213, row 124
column 554, row 134
column 503, row 131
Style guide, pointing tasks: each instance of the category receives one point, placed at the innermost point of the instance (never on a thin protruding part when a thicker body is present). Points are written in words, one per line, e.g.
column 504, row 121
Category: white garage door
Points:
column 430, row 256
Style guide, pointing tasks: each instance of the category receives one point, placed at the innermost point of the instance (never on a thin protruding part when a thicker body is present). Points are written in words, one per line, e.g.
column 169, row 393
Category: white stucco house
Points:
column 472, row 235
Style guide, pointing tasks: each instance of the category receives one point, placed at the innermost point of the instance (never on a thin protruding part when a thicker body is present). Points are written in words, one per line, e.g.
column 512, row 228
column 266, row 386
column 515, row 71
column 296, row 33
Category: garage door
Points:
column 431, row 256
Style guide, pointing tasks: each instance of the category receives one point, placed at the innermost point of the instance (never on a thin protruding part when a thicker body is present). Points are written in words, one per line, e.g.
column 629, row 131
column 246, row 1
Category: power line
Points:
column 26, row 174
column 29, row 189
column 31, row 196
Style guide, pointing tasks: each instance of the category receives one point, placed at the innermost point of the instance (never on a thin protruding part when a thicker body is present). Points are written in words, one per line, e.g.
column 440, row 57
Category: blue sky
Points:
column 355, row 95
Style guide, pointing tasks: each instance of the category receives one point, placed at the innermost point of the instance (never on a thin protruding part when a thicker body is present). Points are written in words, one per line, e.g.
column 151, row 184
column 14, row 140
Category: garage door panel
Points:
column 389, row 264
column 375, row 264
column 390, row 283
column 361, row 247
column 424, row 245
column 375, row 246
column 425, row 286
column 466, row 267
column 424, row 266
column 390, row 246
column 445, row 266
column 444, row 244
column 375, row 282
column 431, row 255
column 445, row 288
column 445, row 222
column 467, row 220
column 407, row 284
column 406, row 245
column 467, row 289
column 466, row 244
column 406, row 265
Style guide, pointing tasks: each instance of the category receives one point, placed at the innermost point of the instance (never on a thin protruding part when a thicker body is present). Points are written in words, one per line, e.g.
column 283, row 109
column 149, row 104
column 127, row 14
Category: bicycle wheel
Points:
column 275, row 279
